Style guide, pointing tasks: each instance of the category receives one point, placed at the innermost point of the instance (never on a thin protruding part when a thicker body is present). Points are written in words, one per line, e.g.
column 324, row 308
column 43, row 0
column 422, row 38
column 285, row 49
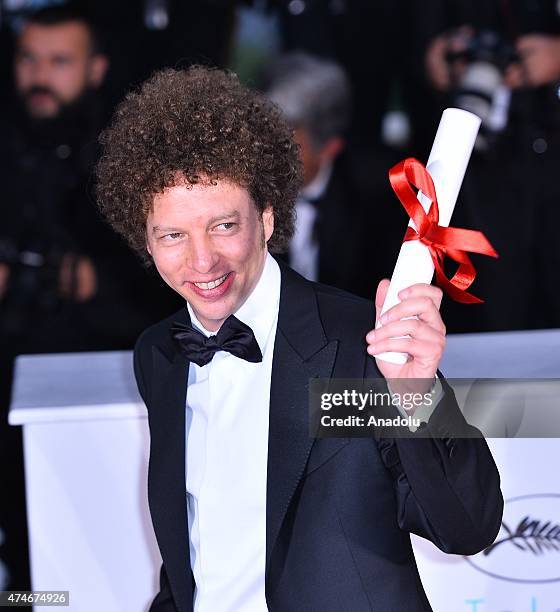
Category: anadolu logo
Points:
column 527, row 548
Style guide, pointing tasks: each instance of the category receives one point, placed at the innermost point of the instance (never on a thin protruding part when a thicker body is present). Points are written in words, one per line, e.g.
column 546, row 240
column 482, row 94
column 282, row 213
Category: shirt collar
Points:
column 317, row 187
column 260, row 309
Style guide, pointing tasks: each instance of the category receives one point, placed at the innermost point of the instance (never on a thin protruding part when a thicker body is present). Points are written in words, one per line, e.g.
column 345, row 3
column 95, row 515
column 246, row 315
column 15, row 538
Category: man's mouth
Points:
column 40, row 94
column 213, row 289
column 212, row 284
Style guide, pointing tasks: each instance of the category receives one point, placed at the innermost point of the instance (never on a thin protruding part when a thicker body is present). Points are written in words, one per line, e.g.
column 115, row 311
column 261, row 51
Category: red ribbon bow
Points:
column 441, row 241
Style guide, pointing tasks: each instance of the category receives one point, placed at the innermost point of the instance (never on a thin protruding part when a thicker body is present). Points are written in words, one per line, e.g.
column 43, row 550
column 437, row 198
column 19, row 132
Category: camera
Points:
column 480, row 88
column 33, row 284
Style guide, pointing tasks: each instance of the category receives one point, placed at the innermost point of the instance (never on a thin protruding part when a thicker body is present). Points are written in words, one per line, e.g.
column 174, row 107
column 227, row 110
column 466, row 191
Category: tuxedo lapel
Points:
column 301, row 351
column 166, row 482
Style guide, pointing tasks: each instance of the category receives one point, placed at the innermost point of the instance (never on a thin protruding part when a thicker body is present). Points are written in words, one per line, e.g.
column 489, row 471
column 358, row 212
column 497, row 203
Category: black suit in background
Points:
column 360, row 224
column 338, row 510
column 48, row 208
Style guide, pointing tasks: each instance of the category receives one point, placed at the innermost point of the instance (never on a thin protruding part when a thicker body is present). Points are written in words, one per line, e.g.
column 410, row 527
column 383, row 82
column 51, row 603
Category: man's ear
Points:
column 332, row 148
column 268, row 222
column 99, row 64
column 148, row 246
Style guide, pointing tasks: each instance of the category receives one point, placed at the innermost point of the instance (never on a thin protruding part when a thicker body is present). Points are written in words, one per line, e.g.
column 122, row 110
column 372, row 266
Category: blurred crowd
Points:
column 363, row 85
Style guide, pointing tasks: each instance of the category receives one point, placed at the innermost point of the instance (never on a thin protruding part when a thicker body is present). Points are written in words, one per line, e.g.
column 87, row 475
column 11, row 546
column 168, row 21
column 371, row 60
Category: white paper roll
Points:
column 447, row 164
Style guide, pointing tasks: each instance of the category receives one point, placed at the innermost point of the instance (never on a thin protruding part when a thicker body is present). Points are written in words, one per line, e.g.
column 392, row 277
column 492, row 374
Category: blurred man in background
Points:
column 58, row 60
column 67, row 282
column 47, row 146
column 341, row 192
column 501, row 60
column 58, row 260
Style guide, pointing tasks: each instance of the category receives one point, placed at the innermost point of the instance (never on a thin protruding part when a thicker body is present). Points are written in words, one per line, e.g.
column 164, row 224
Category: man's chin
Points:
column 43, row 113
column 211, row 320
column 211, row 315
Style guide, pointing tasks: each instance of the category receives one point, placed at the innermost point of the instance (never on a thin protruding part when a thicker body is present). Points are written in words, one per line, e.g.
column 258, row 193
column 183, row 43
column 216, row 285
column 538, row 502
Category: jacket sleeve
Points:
column 447, row 486
column 140, row 368
column 163, row 601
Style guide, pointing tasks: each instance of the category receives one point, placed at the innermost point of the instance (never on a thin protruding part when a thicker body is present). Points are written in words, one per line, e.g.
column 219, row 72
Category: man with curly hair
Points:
column 200, row 175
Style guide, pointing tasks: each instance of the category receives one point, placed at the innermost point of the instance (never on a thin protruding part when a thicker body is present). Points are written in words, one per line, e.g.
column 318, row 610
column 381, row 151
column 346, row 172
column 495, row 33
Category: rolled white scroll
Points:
column 447, row 163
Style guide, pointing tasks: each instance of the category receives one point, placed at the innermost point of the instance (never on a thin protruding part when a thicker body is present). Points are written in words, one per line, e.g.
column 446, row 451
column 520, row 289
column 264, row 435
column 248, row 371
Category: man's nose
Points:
column 202, row 255
column 41, row 73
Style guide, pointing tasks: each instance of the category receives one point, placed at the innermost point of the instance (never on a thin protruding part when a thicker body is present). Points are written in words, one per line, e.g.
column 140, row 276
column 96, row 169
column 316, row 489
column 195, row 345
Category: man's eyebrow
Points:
column 234, row 214
column 160, row 228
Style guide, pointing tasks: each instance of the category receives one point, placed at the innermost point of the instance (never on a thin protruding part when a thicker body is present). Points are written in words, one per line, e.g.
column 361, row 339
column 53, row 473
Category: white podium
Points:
column 86, row 455
column 521, row 574
column 86, row 452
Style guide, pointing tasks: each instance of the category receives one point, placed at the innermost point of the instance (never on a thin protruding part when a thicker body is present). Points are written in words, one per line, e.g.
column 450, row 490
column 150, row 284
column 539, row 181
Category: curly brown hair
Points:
column 197, row 125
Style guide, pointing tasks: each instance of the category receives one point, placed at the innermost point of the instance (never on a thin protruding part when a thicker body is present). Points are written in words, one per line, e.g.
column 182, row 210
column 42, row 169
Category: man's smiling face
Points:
column 208, row 243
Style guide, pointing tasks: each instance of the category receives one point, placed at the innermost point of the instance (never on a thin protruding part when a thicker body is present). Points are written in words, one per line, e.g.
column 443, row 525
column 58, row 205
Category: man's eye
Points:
column 61, row 61
column 173, row 236
column 227, row 226
column 25, row 58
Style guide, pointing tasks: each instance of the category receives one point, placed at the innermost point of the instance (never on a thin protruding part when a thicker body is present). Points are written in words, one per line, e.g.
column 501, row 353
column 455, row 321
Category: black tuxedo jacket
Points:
column 339, row 511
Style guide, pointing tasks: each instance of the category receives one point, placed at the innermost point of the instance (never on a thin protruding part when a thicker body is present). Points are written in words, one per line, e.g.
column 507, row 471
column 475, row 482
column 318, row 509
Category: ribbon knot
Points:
column 441, row 241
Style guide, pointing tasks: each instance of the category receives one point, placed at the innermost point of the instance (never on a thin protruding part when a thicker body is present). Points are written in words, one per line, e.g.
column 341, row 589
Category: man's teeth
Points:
column 212, row 284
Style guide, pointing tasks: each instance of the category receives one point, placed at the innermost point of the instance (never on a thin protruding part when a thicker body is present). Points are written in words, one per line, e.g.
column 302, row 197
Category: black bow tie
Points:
column 233, row 336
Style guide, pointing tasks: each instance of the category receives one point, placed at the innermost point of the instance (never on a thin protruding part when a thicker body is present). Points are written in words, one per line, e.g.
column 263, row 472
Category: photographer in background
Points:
column 61, row 266
column 67, row 281
column 537, row 62
column 501, row 60
column 48, row 146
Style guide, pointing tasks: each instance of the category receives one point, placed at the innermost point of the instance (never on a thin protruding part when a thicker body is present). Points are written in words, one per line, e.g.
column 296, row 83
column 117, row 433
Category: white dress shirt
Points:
column 226, row 462
column 304, row 248
column 227, row 416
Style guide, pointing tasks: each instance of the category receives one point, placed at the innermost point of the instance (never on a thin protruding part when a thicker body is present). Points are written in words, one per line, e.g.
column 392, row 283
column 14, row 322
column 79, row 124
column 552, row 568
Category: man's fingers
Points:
column 528, row 43
column 65, row 275
column 417, row 349
column 420, row 300
column 421, row 290
column 422, row 307
column 4, row 278
column 408, row 327
column 514, row 77
column 86, row 280
column 436, row 64
column 382, row 289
